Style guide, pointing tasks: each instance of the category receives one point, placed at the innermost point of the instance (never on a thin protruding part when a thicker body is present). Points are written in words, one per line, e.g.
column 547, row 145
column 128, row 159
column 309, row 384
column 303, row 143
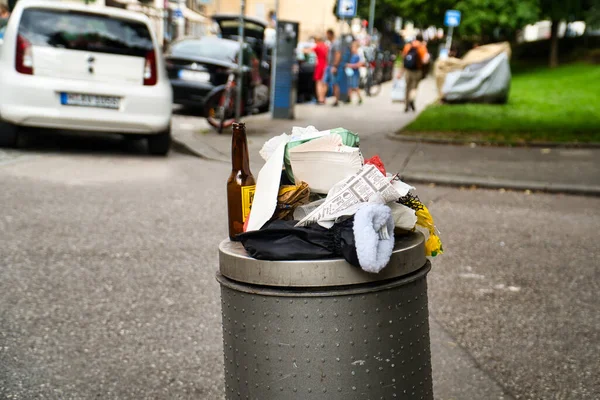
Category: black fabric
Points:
column 280, row 240
column 411, row 60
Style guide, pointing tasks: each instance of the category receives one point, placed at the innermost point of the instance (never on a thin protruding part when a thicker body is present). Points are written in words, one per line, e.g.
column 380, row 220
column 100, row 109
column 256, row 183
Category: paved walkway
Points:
column 548, row 169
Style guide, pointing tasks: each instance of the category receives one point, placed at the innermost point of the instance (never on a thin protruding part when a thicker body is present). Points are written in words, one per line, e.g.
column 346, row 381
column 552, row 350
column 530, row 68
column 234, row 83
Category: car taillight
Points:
column 150, row 70
column 24, row 56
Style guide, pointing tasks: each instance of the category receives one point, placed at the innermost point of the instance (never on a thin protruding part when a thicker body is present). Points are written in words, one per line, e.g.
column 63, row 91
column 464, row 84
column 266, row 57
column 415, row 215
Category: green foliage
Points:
column 568, row 10
column 593, row 14
column 425, row 13
column 480, row 18
column 545, row 105
column 484, row 18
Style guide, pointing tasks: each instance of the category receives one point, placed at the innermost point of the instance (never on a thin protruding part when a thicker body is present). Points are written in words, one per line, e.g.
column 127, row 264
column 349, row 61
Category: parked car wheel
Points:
column 160, row 144
column 9, row 134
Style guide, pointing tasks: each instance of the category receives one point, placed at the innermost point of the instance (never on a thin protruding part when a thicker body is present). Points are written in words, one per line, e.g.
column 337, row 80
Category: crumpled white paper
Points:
column 272, row 144
column 267, row 188
column 269, row 177
column 404, row 217
column 298, row 133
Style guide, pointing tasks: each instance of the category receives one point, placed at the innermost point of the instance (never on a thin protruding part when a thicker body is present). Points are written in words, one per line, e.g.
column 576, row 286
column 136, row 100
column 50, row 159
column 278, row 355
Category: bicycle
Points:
column 220, row 107
column 372, row 82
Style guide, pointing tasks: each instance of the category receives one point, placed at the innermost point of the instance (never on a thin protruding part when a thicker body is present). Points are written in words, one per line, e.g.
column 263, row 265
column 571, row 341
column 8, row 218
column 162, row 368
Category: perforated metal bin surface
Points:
column 366, row 340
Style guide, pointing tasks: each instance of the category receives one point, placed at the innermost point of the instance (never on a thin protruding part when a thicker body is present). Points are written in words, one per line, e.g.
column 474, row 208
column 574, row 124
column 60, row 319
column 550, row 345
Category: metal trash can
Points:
column 325, row 329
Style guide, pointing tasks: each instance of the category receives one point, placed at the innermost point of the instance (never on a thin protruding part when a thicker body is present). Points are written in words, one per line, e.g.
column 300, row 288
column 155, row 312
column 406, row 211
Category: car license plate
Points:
column 196, row 76
column 90, row 100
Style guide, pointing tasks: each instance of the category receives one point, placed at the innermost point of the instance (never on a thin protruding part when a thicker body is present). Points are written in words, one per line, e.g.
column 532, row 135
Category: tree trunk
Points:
column 554, row 44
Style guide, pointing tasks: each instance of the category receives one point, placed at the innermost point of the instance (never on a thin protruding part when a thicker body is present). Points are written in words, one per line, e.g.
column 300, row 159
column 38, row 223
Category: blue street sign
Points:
column 452, row 18
column 178, row 13
column 346, row 8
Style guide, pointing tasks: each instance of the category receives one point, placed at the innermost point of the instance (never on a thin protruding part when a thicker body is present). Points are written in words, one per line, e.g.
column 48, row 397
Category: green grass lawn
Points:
column 559, row 105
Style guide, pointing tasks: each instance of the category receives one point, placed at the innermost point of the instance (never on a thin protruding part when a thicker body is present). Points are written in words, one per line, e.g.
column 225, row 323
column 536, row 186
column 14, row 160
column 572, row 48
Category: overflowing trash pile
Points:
column 316, row 197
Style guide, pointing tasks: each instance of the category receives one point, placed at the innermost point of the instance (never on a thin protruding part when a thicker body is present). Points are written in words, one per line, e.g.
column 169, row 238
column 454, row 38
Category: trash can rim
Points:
column 350, row 290
column 234, row 263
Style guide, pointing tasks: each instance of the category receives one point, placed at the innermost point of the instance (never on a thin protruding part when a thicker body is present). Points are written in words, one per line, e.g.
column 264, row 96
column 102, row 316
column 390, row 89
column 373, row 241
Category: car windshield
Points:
column 84, row 31
column 223, row 50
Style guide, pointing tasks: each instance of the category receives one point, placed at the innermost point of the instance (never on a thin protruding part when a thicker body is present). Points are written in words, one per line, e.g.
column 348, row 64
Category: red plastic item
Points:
column 376, row 161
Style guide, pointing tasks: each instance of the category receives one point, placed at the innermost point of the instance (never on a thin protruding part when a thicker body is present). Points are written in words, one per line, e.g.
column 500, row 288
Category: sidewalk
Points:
column 374, row 119
column 562, row 170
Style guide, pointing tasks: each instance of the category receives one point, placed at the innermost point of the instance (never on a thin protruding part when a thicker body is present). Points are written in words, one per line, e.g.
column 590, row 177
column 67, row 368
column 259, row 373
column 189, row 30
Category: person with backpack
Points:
column 415, row 57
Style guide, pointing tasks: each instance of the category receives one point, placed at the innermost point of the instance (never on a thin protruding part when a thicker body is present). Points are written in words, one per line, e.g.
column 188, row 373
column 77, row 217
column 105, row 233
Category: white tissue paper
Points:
column 272, row 144
column 267, row 188
column 269, row 177
column 404, row 217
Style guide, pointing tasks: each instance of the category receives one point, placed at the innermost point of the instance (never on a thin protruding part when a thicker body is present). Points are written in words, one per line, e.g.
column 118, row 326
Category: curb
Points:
column 197, row 149
column 458, row 181
column 458, row 142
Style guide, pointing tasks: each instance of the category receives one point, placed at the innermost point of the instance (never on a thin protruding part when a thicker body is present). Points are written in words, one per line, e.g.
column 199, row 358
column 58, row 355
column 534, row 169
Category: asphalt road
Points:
column 107, row 285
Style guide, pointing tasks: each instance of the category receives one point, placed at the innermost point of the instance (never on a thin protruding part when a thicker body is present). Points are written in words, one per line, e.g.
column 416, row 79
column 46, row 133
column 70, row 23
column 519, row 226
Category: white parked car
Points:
column 68, row 65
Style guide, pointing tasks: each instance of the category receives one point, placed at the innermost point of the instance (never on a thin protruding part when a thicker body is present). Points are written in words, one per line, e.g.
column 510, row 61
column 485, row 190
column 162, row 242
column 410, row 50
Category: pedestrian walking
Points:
column 334, row 58
column 353, row 71
column 321, row 51
column 416, row 57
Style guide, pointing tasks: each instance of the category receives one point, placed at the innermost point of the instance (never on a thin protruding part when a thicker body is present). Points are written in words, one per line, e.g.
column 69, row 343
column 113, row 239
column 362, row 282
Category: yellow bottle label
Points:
column 247, row 198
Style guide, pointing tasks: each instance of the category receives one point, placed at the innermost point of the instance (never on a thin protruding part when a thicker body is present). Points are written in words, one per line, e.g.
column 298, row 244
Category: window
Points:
column 75, row 30
column 223, row 50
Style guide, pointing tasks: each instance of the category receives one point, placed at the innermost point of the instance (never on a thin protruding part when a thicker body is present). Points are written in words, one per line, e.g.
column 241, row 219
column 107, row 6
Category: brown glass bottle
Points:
column 241, row 183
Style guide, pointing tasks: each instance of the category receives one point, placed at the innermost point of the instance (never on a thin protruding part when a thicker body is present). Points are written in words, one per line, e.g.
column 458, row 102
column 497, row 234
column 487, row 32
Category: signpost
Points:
column 346, row 9
column 371, row 17
column 240, row 77
column 274, row 60
column 451, row 19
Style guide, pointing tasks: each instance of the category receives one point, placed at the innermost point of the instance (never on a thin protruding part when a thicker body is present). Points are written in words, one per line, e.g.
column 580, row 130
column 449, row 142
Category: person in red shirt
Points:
column 321, row 50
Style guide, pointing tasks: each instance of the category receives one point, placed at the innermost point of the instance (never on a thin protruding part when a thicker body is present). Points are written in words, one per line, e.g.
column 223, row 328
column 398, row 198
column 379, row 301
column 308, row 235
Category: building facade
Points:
column 314, row 16
column 170, row 18
column 179, row 18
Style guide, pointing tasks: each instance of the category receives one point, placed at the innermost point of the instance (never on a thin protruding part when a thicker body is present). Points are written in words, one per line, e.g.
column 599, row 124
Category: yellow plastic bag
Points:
column 290, row 197
column 433, row 245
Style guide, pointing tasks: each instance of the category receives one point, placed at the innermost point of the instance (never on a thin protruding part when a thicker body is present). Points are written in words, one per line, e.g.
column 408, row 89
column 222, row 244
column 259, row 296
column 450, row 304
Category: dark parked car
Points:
column 200, row 67
column 196, row 67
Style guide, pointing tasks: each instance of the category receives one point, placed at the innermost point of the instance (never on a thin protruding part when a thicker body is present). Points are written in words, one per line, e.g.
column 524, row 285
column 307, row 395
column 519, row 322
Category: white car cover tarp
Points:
column 483, row 75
